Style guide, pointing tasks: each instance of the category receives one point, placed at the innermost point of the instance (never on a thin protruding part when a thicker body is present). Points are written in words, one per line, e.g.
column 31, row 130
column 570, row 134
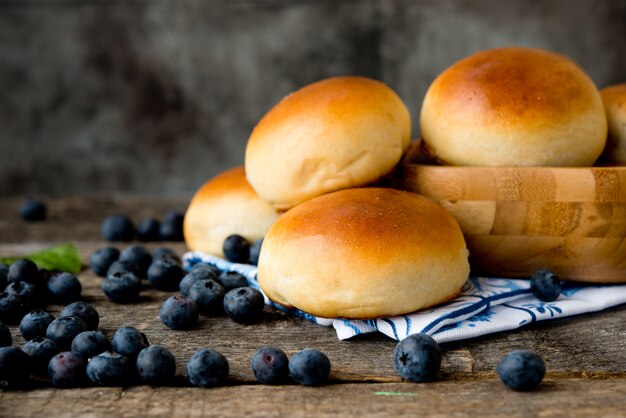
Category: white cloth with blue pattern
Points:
column 486, row 305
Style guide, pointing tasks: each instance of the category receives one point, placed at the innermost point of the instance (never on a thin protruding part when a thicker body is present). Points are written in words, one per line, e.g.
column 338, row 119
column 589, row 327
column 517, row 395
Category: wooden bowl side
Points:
column 518, row 220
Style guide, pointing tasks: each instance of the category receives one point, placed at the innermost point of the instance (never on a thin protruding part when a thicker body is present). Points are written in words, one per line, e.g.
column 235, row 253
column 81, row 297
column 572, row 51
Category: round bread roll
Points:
column 363, row 253
column 514, row 107
column 334, row 134
column 614, row 98
column 223, row 206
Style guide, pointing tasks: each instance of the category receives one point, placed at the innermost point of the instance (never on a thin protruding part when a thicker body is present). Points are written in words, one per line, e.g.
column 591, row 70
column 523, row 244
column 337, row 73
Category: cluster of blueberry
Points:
column 26, row 287
column 71, row 351
column 418, row 358
column 205, row 290
column 270, row 365
column 121, row 228
column 208, row 291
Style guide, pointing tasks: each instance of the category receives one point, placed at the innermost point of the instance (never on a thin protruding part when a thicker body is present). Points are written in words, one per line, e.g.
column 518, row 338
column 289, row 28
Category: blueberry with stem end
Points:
column 67, row 370
column 179, row 312
column 270, row 365
column 244, row 305
column 417, row 358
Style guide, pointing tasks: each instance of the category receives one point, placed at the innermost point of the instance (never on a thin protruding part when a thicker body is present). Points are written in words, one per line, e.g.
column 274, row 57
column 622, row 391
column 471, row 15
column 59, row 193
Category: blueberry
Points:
column 309, row 367
column 232, row 280
column 40, row 350
column 30, row 295
column 196, row 275
column 417, row 358
column 118, row 228
column 35, row 324
column 521, row 370
column 122, row 287
column 156, row 365
column 129, row 341
column 207, row 368
column 14, row 366
column 164, row 252
column 209, row 296
column 123, row 267
column 23, row 270
column 33, row 210
column 165, row 274
column 244, row 305
column 179, row 312
column 174, row 217
column 90, row 343
column 139, row 255
column 101, row 260
column 108, row 369
column 255, row 250
column 148, row 230
column 545, row 285
column 11, row 308
column 64, row 288
column 170, row 232
column 4, row 271
column 270, row 365
column 171, row 229
column 67, row 369
column 204, row 266
column 236, row 249
column 5, row 336
column 63, row 330
column 84, row 311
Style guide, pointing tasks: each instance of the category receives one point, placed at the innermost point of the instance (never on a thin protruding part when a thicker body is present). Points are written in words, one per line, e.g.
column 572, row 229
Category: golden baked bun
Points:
column 334, row 134
column 614, row 98
column 363, row 253
column 514, row 107
column 223, row 206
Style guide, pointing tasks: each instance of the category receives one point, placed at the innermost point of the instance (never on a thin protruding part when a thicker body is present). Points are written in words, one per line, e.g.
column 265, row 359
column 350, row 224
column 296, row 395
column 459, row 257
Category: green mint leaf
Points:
column 61, row 258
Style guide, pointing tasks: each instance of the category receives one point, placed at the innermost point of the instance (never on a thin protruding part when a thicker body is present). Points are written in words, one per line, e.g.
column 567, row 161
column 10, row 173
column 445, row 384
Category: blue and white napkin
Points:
column 486, row 305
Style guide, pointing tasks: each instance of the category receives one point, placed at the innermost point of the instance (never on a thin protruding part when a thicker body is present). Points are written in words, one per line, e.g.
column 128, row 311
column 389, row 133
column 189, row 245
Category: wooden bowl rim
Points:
column 512, row 168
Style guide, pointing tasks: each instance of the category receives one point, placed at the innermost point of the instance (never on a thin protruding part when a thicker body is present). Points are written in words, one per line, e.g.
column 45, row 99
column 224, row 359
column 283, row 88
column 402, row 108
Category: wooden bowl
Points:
column 520, row 219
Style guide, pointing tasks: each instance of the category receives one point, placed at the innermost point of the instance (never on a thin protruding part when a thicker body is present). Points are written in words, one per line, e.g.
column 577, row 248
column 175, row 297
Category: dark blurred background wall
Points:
column 156, row 96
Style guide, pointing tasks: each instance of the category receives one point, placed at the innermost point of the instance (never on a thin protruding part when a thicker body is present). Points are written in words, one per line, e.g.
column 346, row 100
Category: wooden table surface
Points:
column 585, row 356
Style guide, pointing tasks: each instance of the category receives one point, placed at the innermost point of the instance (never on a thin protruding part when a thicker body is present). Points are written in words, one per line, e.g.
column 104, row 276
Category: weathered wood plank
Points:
column 486, row 398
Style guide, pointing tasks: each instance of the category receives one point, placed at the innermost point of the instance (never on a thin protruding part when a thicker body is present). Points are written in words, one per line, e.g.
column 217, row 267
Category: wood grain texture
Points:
column 584, row 355
column 517, row 220
column 486, row 398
